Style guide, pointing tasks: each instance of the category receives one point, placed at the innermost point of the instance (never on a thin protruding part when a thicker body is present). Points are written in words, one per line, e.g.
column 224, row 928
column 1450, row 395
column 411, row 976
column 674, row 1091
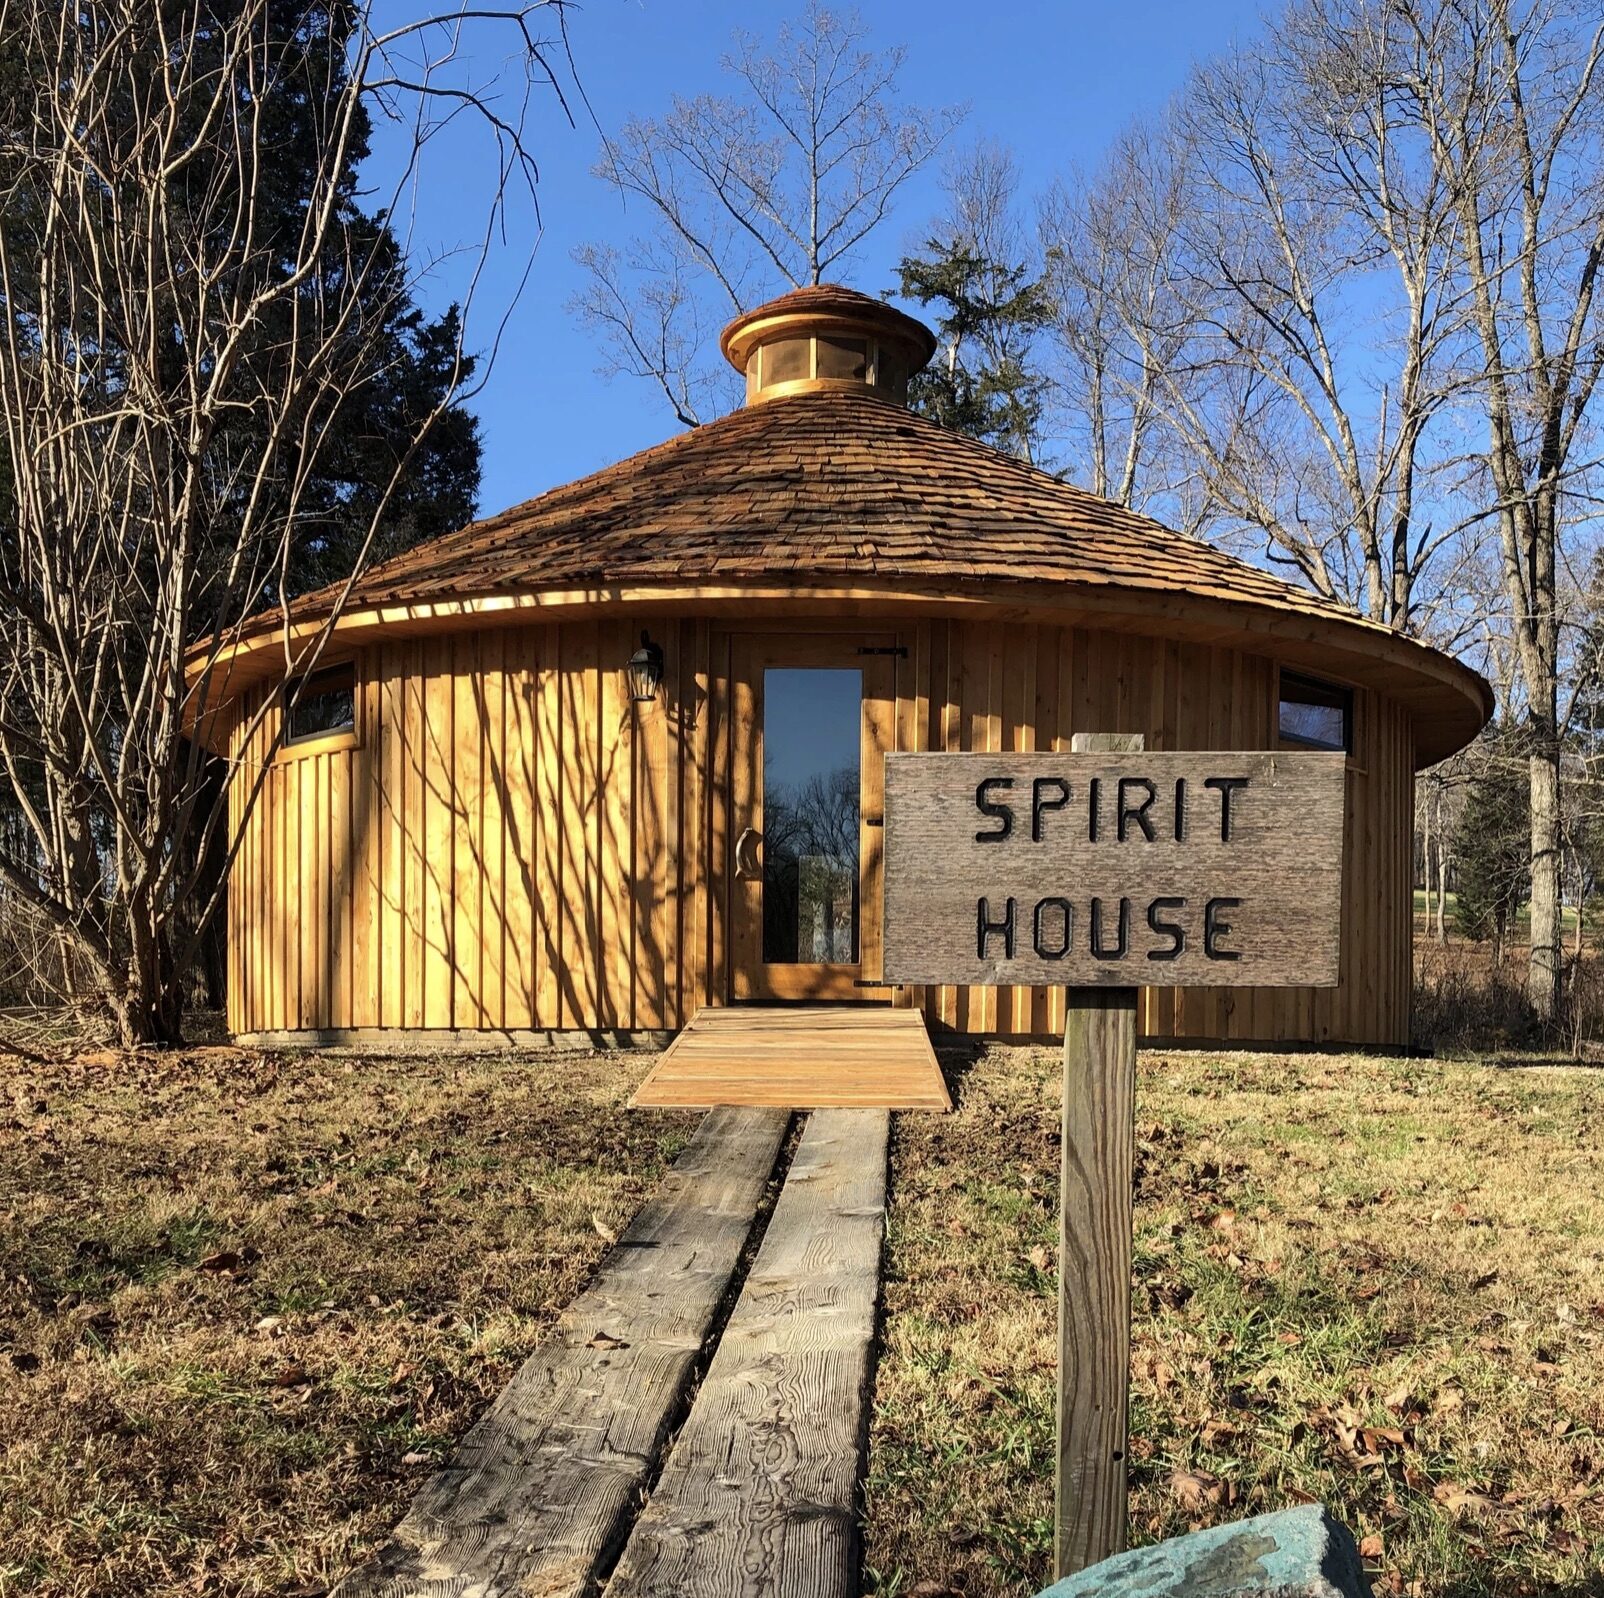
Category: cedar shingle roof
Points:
column 818, row 486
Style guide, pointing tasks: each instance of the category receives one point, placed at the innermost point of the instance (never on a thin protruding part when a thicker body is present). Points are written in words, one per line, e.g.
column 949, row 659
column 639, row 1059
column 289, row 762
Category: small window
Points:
column 1314, row 714
column 787, row 360
column 891, row 375
column 326, row 704
column 843, row 357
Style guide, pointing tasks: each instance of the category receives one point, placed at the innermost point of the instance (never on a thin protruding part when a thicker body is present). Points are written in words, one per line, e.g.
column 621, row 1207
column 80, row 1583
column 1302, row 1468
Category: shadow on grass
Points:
column 1547, row 1062
column 957, row 1057
column 1590, row 1586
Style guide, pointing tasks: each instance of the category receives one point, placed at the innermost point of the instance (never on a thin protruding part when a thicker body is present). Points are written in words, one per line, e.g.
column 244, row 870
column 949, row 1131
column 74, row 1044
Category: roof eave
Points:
column 1449, row 701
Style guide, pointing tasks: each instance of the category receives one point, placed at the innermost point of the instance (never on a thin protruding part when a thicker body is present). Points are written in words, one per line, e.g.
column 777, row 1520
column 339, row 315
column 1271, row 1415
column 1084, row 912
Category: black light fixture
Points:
column 645, row 670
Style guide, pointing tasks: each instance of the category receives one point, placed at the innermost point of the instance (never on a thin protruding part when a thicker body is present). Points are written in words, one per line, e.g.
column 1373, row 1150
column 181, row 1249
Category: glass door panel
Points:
column 811, row 718
column 812, row 807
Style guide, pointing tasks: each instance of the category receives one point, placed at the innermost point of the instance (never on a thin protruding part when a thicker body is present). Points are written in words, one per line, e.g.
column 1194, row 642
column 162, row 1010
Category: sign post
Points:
column 1106, row 870
column 1097, row 1168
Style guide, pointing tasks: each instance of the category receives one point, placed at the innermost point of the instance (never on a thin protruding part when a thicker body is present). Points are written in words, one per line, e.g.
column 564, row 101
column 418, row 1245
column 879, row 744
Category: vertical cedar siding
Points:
column 511, row 843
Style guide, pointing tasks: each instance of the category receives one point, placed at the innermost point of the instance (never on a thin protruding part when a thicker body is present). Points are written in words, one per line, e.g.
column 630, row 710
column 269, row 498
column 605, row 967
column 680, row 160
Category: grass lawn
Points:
column 246, row 1300
column 1522, row 928
column 1376, row 1282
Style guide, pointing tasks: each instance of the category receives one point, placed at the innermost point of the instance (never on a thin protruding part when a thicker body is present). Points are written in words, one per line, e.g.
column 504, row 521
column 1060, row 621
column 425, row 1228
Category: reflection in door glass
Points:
column 811, row 729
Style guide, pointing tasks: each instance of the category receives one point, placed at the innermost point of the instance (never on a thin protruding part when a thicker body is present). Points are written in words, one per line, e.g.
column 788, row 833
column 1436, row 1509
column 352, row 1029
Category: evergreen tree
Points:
column 982, row 381
column 372, row 432
column 1492, row 848
column 1586, row 729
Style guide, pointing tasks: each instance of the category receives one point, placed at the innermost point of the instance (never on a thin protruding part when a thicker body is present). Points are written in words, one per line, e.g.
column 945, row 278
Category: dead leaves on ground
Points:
column 1356, row 1445
column 1198, row 1492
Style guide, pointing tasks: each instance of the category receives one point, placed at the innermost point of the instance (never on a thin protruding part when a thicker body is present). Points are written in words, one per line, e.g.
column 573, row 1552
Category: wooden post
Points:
column 1094, row 1257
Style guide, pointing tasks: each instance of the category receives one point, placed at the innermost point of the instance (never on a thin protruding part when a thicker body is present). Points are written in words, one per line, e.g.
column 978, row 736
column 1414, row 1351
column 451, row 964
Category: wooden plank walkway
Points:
column 801, row 1057
column 541, row 1491
column 758, row 1498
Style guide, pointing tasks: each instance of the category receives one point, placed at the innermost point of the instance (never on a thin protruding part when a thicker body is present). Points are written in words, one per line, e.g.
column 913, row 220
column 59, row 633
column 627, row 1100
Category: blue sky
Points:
column 1054, row 82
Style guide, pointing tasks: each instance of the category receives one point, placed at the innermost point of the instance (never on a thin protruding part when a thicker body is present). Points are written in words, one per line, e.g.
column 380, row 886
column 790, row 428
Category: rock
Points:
column 1294, row 1553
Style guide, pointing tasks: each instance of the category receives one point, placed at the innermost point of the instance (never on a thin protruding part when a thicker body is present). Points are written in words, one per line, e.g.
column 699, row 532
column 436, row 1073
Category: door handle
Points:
column 748, row 867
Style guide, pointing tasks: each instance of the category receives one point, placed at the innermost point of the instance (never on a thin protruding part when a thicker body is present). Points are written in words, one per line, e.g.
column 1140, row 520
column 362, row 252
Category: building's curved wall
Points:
column 507, row 843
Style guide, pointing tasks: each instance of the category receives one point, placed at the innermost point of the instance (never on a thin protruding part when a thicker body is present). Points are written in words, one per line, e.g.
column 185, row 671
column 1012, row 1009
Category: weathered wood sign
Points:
column 1098, row 870
column 1108, row 870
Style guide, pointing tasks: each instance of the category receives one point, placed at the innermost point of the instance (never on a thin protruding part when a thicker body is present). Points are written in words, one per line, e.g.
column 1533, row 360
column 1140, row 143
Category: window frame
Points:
column 322, row 739
column 1339, row 697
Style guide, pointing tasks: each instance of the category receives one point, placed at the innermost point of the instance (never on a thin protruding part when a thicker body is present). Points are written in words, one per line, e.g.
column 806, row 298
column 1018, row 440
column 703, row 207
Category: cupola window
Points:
column 787, row 360
column 844, row 358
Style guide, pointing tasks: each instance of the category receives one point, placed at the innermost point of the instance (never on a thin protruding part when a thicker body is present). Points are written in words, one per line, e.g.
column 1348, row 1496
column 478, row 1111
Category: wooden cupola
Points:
column 824, row 338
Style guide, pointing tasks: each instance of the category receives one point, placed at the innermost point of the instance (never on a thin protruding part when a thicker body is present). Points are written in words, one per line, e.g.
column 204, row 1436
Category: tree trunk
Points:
column 149, row 1009
column 1425, row 856
column 1442, row 891
column 1542, row 981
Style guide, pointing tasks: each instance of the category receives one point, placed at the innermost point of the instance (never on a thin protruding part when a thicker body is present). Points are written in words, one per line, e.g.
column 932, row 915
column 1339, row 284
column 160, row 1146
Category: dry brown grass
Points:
column 1376, row 1282
column 246, row 1299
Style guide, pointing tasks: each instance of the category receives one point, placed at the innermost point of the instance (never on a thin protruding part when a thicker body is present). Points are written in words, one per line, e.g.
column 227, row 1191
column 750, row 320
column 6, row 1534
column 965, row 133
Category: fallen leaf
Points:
column 1460, row 1500
column 1371, row 1547
column 292, row 1376
column 603, row 1230
column 1196, row 1489
column 224, row 1260
column 1040, row 1258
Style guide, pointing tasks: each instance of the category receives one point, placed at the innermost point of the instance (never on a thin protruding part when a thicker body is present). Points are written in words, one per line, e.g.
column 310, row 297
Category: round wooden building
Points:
column 616, row 754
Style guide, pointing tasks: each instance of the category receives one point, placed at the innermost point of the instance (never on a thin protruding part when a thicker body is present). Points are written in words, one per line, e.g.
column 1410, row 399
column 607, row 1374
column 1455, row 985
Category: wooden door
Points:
column 813, row 717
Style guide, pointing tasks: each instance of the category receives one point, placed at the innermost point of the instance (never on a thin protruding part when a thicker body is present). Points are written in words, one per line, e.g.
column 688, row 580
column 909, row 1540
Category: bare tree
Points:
column 746, row 195
column 1120, row 330
column 172, row 359
column 1318, row 255
column 1510, row 97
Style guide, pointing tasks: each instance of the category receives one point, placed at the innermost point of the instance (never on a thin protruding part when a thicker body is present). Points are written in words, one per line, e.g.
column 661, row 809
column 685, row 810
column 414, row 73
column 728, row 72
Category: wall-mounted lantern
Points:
column 645, row 670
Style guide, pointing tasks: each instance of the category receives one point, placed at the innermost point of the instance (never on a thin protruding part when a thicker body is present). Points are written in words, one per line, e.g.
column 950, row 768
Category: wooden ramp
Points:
column 541, row 1492
column 759, row 1495
column 800, row 1057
